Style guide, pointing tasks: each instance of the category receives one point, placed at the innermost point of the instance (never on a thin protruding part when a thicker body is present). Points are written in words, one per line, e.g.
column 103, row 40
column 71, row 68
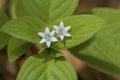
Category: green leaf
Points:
column 25, row 28
column 4, row 38
column 83, row 27
column 17, row 48
column 47, row 10
column 41, row 67
column 104, row 11
column 103, row 51
column 3, row 17
column 12, row 8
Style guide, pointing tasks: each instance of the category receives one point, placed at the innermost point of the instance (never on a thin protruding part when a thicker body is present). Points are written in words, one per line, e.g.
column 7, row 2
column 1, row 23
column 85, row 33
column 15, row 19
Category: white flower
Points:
column 47, row 36
column 62, row 31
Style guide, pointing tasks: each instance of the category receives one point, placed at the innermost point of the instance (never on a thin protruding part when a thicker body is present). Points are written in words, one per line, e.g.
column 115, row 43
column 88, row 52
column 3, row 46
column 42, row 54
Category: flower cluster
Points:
column 48, row 37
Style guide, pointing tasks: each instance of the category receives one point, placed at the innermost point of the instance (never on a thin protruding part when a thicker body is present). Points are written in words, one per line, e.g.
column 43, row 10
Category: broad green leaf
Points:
column 17, row 48
column 47, row 10
column 103, row 50
column 46, row 67
column 25, row 28
column 3, row 17
column 112, row 17
column 4, row 38
column 83, row 27
column 12, row 8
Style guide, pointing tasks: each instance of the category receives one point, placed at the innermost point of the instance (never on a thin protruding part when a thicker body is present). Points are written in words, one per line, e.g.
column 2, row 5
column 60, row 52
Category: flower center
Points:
column 47, row 37
column 61, row 31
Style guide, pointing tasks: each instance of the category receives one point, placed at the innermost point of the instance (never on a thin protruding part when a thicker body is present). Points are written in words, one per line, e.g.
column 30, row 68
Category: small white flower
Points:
column 62, row 31
column 47, row 36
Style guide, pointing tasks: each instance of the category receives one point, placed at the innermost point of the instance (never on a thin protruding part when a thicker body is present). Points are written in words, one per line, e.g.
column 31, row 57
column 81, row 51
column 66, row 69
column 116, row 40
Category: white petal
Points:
column 42, row 41
column 67, row 28
column 61, row 37
column 48, row 44
column 61, row 24
column 47, row 30
column 56, row 27
column 69, row 35
column 57, row 31
column 41, row 34
column 52, row 33
column 54, row 39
